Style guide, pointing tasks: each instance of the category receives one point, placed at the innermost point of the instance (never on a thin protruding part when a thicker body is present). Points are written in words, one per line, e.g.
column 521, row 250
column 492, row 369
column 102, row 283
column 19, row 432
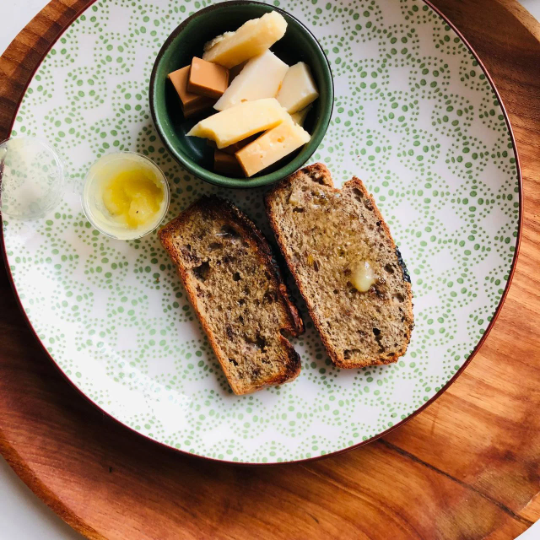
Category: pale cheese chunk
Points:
column 271, row 147
column 300, row 116
column 241, row 121
column 260, row 78
column 298, row 89
column 253, row 38
column 212, row 43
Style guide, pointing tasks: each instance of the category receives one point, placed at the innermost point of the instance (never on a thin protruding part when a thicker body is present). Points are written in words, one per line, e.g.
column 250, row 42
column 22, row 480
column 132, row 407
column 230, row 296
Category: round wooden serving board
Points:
column 468, row 467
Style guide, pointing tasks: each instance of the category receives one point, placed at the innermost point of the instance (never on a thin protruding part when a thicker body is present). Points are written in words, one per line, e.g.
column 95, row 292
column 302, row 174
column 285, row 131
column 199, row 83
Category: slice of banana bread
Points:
column 346, row 265
column 237, row 292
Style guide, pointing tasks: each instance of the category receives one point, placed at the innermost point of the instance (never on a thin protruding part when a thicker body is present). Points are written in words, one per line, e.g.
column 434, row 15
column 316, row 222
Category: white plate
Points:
column 415, row 117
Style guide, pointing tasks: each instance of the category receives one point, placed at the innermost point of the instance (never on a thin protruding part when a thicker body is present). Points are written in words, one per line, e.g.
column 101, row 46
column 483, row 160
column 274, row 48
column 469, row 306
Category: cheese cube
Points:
column 227, row 164
column 300, row 116
column 241, row 121
column 251, row 39
column 271, row 147
column 298, row 89
column 260, row 78
column 192, row 104
column 207, row 79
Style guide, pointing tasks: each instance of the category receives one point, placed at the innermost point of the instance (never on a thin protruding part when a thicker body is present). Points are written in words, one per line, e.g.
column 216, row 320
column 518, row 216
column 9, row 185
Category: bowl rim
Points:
column 266, row 179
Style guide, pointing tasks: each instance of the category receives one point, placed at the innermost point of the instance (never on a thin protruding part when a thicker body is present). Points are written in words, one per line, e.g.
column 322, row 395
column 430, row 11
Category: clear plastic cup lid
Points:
column 31, row 178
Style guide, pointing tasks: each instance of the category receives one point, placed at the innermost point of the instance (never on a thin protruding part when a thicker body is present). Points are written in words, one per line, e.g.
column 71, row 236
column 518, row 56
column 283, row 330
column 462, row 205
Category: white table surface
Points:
column 22, row 515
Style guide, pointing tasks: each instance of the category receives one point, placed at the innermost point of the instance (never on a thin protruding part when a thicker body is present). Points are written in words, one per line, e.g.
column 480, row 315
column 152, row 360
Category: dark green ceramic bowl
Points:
column 187, row 41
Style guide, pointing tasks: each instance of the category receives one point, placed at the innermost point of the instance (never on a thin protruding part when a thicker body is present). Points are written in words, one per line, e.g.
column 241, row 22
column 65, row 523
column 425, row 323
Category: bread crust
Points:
column 319, row 173
column 213, row 206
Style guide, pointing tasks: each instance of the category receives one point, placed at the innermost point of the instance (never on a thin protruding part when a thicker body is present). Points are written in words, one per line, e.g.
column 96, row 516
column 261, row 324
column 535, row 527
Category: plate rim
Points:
column 372, row 439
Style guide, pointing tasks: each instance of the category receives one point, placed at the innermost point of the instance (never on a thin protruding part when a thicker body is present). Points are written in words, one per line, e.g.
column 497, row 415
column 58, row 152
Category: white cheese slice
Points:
column 274, row 145
column 260, row 78
column 300, row 116
column 298, row 89
column 251, row 39
column 241, row 121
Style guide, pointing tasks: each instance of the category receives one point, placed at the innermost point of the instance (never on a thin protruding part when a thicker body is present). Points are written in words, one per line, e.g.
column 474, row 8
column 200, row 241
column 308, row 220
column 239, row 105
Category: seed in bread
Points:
column 346, row 265
column 237, row 292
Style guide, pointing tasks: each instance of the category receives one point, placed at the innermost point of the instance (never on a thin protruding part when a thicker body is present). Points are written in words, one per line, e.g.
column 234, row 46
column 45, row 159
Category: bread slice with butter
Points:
column 346, row 265
column 237, row 292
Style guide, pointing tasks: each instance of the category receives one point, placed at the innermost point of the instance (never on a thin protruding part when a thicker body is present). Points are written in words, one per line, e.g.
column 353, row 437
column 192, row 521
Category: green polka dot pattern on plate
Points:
column 414, row 117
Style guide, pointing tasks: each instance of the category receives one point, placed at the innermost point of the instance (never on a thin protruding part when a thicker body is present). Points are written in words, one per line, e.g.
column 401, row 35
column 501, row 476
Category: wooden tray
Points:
column 467, row 467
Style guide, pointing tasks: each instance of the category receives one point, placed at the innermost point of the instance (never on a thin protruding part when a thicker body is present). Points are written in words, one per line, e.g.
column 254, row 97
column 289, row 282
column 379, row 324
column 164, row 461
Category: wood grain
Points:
column 468, row 467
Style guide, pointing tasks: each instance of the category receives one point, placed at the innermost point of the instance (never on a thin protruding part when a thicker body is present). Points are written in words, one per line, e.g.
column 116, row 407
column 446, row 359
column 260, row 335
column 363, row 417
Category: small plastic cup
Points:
column 31, row 178
column 92, row 199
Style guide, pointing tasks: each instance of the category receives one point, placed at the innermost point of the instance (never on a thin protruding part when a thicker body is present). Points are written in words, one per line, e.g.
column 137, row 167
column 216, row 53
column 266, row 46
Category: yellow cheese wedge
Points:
column 253, row 38
column 300, row 116
column 298, row 89
column 261, row 78
column 241, row 121
column 272, row 146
